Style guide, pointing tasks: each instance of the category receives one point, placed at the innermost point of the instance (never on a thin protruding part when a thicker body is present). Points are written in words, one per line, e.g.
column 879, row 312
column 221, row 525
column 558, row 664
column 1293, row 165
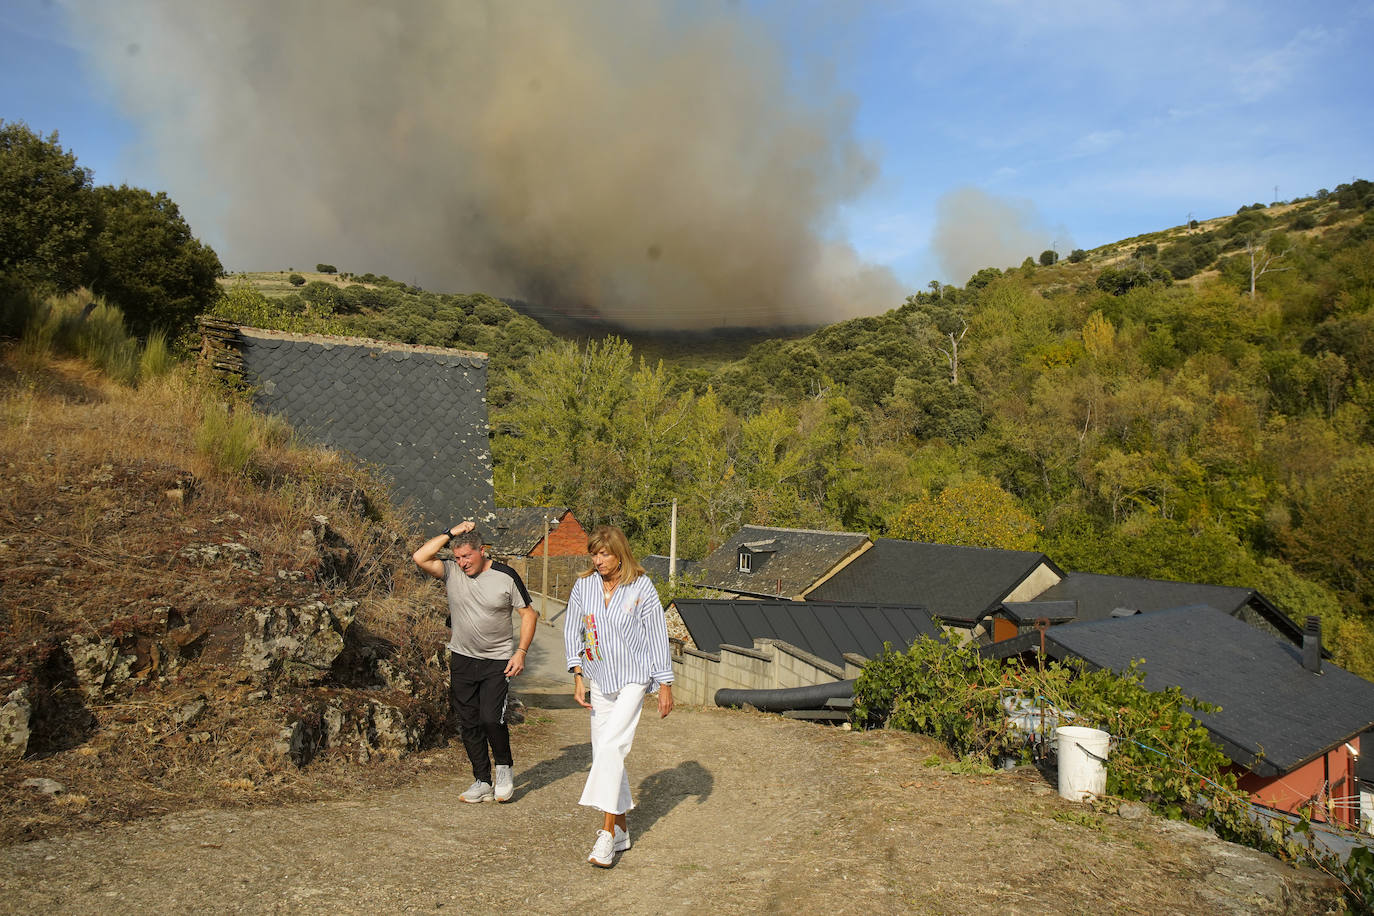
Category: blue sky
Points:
column 1088, row 121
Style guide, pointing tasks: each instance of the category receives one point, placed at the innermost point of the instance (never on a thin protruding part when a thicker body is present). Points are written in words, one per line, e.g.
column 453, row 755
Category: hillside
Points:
column 191, row 603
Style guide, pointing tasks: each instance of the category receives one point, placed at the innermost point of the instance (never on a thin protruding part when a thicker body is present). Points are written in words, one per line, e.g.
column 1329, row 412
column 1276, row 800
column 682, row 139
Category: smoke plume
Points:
column 650, row 162
column 974, row 229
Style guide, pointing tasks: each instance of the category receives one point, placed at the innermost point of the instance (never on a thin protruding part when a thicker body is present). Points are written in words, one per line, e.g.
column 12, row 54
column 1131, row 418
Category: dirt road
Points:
column 737, row 813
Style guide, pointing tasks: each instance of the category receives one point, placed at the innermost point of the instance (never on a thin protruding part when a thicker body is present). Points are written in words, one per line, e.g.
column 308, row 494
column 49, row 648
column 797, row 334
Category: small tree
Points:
column 1048, row 257
column 296, row 280
column 326, row 268
column 1077, row 256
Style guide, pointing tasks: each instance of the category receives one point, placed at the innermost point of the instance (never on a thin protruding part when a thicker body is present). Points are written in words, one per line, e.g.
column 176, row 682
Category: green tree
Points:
column 149, row 264
column 46, row 212
column 326, row 268
column 1077, row 255
column 974, row 513
column 1048, row 257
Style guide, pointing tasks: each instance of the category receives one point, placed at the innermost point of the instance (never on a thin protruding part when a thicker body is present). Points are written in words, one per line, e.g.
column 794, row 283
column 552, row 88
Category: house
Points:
column 1290, row 721
column 762, row 562
column 764, row 644
column 517, row 536
column 1098, row 597
column 417, row 413
column 958, row 585
column 825, row 629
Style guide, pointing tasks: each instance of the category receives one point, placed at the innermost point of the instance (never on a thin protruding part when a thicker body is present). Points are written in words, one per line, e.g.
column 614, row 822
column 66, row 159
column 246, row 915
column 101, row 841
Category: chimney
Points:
column 1312, row 645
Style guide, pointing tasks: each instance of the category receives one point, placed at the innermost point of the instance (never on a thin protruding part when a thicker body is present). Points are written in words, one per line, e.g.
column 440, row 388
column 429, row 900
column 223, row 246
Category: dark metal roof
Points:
column 791, row 562
column 958, row 584
column 1100, row 596
column 1275, row 715
column 417, row 413
column 517, row 532
column 657, row 568
column 827, row 630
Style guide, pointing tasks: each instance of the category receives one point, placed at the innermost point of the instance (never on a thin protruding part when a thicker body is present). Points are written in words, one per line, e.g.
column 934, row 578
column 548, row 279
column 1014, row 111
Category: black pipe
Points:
column 812, row 696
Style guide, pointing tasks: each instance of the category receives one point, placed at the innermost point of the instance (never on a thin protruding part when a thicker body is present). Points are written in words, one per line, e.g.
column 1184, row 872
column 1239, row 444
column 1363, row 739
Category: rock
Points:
column 300, row 740
column 391, row 734
column 393, row 677
column 99, row 665
column 1132, row 811
column 233, row 553
column 299, row 643
column 14, row 723
column 46, row 786
column 188, row 713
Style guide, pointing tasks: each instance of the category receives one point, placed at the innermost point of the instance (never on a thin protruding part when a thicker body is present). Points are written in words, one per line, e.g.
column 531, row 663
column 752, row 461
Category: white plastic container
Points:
column 1082, row 761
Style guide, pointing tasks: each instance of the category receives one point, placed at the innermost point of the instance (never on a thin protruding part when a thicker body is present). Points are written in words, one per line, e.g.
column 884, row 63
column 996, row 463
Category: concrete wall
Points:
column 770, row 664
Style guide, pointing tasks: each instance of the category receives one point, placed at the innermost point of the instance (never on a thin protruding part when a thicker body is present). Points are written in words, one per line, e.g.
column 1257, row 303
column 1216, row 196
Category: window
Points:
column 745, row 561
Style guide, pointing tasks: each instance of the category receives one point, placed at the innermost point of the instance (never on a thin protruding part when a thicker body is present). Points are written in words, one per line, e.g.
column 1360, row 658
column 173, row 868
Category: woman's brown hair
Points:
column 613, row 539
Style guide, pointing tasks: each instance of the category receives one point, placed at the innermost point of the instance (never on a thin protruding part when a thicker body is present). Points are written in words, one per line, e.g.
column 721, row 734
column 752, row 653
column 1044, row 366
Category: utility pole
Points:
column 544, row 579
column 672, row 547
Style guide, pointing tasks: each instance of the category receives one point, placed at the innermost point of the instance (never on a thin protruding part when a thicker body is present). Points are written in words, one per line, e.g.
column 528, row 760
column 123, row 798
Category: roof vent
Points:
column 1312, row 645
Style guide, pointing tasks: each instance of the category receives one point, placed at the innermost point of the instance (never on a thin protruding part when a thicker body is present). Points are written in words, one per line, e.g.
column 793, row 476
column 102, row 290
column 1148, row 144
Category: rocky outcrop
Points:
column 297, row 643
column 363, row 730
column 99, row 664
column 14, row 723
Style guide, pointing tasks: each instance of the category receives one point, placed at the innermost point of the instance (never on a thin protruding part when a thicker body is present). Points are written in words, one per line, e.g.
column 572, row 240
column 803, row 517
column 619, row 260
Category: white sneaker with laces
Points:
column 622, row 839
column 478, row 792
column 504, row 783
column 603, row 851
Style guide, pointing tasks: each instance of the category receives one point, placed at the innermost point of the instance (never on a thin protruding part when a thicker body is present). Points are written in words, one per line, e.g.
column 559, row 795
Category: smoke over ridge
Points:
column 975, row 229
column 645, row 160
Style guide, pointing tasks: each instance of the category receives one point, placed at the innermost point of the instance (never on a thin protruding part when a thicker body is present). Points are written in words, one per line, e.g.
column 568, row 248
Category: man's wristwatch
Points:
column 447, row 534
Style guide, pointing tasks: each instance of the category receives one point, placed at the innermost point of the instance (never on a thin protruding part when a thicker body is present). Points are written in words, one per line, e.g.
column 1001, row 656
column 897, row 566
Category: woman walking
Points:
column 617, row 647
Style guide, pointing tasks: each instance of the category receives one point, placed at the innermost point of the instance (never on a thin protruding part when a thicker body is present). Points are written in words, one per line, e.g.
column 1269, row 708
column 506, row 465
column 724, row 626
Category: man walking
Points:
column 482, row 659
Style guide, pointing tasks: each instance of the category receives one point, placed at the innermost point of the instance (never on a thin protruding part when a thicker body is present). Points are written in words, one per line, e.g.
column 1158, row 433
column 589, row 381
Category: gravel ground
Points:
column 737, row 812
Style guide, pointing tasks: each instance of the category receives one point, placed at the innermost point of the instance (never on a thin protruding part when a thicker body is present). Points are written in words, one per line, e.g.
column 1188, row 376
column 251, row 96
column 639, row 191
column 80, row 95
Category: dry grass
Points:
column 102, row 487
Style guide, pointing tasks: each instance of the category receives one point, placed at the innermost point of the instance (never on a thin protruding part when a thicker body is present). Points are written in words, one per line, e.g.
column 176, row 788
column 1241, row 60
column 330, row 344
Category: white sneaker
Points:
column 478, row 792
column 622, row 839
column 603, row 851
column 505, row 783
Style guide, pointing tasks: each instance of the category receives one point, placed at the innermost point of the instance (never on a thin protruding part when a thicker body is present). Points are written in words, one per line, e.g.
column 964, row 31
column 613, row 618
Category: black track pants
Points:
column 477, row 691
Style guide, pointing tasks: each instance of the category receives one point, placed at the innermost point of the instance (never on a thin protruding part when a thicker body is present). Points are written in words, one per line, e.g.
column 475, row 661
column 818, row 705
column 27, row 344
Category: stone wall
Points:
column 770, row 664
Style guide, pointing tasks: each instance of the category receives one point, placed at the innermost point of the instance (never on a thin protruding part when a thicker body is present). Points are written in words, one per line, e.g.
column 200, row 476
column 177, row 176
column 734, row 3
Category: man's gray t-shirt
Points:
column 479, row 609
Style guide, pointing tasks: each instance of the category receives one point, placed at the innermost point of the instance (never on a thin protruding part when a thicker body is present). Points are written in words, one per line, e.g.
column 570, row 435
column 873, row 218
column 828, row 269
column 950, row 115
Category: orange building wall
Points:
column 1292, row 790
column 568, row 539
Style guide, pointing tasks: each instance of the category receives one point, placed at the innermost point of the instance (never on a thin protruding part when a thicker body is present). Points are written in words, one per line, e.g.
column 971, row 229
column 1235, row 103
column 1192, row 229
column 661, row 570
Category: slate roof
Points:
column 1099, row 596
column 786, row 561
column 1027, row 612
column 517, row 532
column 957, row 584
column 657, row 568
column 1270, row 704
column 417, row 413
column 824, row 629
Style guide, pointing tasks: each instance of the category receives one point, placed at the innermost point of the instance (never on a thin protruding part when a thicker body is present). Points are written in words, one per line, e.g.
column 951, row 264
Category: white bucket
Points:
column 1082, row 761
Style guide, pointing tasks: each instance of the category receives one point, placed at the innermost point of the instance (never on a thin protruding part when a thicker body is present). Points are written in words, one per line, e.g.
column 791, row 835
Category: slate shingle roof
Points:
column 517, row 532
column 1027, row 612
column 657, row 568
column 957, row 584
column 418, row 413
column 824, row 629
column 1098, row 596
column 1275, row 714
column 786, row 561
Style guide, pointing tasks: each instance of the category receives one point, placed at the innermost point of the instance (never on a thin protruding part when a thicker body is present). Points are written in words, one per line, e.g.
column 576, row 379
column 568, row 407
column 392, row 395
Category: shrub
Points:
column 227, row 439
column 1077, row 256
column 296, row 280
column 326, row 268
column 1048, row 257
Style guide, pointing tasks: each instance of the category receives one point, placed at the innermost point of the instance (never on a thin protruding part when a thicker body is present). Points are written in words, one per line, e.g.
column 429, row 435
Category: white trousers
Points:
column 615, row 716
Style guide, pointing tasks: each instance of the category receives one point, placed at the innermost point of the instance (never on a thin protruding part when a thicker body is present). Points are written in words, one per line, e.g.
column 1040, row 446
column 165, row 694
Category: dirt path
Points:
column 737, row 813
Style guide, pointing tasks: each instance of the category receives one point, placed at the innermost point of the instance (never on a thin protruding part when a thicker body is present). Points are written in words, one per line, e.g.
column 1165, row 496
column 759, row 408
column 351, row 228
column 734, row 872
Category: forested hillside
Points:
column 1193, row 404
